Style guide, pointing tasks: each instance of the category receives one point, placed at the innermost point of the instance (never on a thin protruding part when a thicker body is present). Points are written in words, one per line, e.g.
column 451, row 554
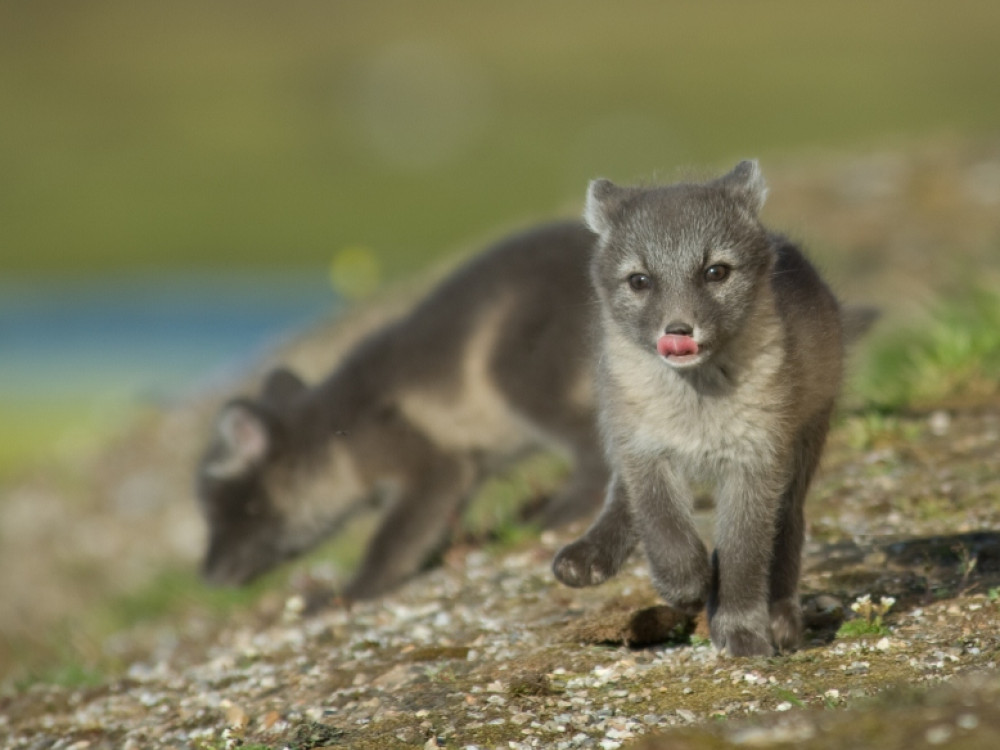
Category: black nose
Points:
column 677, row 328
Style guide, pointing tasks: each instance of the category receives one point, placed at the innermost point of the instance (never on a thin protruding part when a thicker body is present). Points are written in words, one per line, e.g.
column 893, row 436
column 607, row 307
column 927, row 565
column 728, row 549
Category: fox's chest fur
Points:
column 723, row 414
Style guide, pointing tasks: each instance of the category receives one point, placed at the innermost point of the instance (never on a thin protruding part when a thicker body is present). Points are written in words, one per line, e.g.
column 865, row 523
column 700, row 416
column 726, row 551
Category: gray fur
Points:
column 494, row 363
column 748, row 413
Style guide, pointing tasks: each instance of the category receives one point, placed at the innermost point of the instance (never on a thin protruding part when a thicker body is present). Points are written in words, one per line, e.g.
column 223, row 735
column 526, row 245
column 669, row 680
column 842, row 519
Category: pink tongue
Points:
column 672, row 345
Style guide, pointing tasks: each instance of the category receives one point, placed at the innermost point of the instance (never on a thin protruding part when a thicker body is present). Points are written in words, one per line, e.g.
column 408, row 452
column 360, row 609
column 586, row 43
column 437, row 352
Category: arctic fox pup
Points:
column 720, row 361
column 492, row 364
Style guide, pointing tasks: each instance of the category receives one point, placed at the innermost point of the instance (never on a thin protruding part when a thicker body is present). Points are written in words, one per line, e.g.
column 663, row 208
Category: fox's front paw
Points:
column 686, row 590
column 583, row 563
column 741, row 635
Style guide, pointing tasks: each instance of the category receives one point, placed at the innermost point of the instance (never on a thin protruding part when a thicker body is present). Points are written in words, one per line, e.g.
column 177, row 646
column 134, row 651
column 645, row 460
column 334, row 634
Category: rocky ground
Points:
column 487, row 650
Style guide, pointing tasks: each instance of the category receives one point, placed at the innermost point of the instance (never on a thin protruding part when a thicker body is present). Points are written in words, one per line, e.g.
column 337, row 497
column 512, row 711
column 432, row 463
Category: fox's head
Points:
column 265, row 491
column 679, row 268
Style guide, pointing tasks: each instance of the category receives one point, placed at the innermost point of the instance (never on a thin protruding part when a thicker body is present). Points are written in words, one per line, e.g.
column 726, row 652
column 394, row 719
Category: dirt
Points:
column 487, row 650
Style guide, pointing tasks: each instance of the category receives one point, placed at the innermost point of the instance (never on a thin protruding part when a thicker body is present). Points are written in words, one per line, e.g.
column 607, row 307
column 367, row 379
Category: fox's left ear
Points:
column 604, row 202
column 243, row 440
column 746, row 183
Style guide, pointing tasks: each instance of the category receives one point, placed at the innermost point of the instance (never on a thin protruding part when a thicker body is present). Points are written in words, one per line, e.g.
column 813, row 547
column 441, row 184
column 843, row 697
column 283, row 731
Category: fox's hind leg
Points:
column 786, row 561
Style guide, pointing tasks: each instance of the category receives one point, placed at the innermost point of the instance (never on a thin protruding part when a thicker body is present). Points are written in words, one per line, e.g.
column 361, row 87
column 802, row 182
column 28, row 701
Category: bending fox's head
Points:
column 679, row 268
column 265, row 484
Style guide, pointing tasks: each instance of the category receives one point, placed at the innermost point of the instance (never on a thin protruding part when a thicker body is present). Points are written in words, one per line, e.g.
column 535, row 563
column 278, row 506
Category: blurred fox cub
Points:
column 720, row 360
column 493, row 364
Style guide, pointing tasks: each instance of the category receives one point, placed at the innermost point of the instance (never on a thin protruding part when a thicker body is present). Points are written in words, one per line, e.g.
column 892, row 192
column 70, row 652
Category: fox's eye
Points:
column 639, row 281
column 717, row 272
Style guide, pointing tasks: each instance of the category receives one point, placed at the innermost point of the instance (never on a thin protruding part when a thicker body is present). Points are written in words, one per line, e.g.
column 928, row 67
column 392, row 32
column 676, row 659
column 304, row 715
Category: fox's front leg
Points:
column 739, row 615
column 413, row 528
column 600, row 553
column 662, row 509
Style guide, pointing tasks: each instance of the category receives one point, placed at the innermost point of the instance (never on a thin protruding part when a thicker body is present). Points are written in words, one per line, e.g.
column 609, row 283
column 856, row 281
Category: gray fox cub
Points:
column 494, row 363
column 720, row 361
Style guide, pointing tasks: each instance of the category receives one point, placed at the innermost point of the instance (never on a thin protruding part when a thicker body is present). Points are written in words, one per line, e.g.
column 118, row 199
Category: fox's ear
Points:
column 604, row 199
column 746, row 183
column 242, row 442
column 281, row 388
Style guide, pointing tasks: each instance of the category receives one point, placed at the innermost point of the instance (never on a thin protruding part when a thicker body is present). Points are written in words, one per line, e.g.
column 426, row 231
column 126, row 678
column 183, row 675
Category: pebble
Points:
column 967, row 721
column 938, row 735
column 939, row 422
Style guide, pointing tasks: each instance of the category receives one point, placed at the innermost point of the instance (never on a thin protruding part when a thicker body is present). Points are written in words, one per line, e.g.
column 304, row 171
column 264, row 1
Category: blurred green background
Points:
column 348, row 143
column 141, row 135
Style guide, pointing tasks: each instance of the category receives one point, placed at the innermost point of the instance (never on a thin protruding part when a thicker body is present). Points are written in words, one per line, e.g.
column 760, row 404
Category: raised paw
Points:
column 583, row 563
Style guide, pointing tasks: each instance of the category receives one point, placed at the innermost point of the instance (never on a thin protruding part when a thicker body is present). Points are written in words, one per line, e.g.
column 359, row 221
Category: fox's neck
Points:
column 345, row 400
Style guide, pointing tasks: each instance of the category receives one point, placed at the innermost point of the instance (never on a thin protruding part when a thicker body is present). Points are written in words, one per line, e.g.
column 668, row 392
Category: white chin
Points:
column 683, row 361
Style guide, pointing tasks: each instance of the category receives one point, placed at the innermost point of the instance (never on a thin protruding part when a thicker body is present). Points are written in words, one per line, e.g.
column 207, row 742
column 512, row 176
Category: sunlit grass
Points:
column 58, row 431
column 953, row 354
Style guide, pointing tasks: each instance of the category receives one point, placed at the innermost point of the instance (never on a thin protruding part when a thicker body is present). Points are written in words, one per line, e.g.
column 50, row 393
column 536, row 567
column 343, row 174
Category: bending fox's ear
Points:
column 242, row 442
column 746, row 183
column 604, row 200
column 281, row 388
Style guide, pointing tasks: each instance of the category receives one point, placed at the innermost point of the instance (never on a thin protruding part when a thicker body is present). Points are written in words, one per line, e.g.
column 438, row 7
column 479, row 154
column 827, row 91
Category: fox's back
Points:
column 813, row 331
column 500, row 355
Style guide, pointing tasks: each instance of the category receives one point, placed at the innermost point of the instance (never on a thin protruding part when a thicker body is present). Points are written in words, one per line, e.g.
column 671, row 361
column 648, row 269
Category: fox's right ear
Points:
column 746, row 182
column 242, row 442
column 604, row 199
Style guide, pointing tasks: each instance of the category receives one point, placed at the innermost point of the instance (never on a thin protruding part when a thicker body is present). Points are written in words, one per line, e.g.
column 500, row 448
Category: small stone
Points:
column 294, row 607
column 940, row 423
column 857, row 667
column 269, row 719
column 938, row 735
column 967, row 721
column 236, row 717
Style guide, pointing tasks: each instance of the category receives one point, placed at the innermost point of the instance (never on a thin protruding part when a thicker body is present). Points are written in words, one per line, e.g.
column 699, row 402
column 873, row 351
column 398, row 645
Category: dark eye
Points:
column 717, row 272
column 639, row 281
